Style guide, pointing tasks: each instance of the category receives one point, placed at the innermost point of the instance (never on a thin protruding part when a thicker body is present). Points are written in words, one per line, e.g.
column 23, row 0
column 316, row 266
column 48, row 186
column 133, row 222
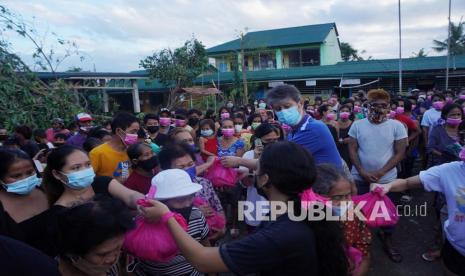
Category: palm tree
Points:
column 457, row 40
column 350, row 53
column 421, row 53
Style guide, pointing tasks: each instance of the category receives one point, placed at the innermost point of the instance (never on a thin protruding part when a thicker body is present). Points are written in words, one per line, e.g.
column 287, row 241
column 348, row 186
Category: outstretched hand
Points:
column 154, row 212
column 385, row 187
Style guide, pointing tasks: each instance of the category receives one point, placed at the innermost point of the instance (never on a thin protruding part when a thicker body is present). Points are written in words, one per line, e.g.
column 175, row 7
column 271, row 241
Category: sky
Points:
column 115, row 35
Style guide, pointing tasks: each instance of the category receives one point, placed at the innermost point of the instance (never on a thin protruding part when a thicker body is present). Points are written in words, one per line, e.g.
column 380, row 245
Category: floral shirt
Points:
column 358, row 235
column 231, row 151
column 208, row 194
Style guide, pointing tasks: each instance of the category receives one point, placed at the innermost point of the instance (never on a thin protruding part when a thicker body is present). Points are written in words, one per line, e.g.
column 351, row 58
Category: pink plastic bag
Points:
column 221, row 176
column 309, row 196
column 216, row 222
column 355, row 258
column 152, row 241
column 378, row 209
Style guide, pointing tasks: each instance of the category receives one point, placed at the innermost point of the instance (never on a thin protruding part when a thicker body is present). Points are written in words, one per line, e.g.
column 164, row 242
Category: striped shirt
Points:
column 197, row 229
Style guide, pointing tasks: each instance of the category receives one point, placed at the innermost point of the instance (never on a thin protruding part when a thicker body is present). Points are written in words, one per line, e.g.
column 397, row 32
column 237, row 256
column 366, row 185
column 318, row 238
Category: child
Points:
column 207, row 142
column 333, row 184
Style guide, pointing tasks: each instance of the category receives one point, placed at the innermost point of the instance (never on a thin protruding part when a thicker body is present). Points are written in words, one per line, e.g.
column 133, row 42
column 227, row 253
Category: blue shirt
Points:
column 317, row 139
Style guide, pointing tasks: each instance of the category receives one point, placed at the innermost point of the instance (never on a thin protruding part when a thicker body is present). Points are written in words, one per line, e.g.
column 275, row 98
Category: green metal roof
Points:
column 367, row 68
column 309, row 34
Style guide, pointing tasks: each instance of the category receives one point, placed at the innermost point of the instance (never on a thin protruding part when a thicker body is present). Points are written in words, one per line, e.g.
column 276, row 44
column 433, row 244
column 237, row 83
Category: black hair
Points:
column 99, row 133
column 407, row 104
column 267, row 128
column 24, row 131
column 9, row 157
column 56, row 160
column 38, row 133
column 122, row 120
column 270, row 113
column 323, row 108
column 253, row 116
column 224, row 108
column 181, row 112
column 447, row 108
column 150, row 116
column 174, row 151
column 438, row 95
column 93, row 222
column 282, row 92
column 210, row 114
column 209, row 122
column 60, row 136
column 328, row 175
column 134, row 151
column 164, row 111
column 90, row 143
column 72, row 125
column 291, row 170
column 194, row 111
column 141, row 133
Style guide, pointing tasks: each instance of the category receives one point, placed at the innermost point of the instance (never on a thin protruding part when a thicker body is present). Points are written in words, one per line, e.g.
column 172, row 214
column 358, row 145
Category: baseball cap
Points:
column 174, row 183
column 82, row 117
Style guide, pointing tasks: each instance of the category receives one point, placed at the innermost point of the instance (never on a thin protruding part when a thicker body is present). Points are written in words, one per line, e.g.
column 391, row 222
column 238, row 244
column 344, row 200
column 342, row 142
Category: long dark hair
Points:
column 56, row 160
column 10, row 156
column 291, row 170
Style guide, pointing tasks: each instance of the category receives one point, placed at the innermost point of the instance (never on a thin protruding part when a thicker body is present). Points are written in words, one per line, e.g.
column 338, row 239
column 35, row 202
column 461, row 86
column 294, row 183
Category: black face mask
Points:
column 184, row 212
column 193, row 121
column 153, row 129
column 149, row 164
column 260, row 190
column 56, row 145
column 3, row 137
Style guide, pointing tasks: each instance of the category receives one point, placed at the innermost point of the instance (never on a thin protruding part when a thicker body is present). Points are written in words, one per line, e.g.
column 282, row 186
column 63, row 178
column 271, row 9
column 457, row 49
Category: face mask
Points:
column 206, row 132
column 227, row 132
column 453, row 121
column 185, row 212
column 57, row 145
column 229, row 105
column 193, row 121
column 449, row 100
column 89, row 268
column 462, row 97
column 289, row 116
column 392, row 114
column 153, row 129
column 340, row 210
column 130, row 139
column 429, row 98
column 149, row 164
column 330, row 116
column 344, row 115
column 438, row 105
column 3, row 137
column 191, row 172
column 180, row 122
column 81, row 179
column 23, row 186
column 377, row 115
column 255, row 125
column 165, row 121
column 357, row 109
column 462, row 154
column 260, row 190
column 413, row 106
column 262, row 105
column 399, row 110
column 225, row 116
column 255, row 103
column 238, row 128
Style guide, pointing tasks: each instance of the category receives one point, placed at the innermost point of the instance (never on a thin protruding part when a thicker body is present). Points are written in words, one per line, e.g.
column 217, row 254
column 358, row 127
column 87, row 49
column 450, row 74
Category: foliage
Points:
column 47, row 57
column 24, row 99
column 457, row 40
column 421, row 53
column 349, row 53
column 177, row 68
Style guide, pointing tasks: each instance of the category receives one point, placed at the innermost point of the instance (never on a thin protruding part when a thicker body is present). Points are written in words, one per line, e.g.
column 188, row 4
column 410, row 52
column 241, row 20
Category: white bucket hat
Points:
column 173, row 183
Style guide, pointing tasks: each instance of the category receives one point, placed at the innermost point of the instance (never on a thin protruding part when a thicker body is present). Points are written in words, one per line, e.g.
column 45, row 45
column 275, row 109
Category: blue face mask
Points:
column 81, row 179
column 340, row 210
column 206, row 133
column 290, row 116
column 23, row 186
column 191, row 172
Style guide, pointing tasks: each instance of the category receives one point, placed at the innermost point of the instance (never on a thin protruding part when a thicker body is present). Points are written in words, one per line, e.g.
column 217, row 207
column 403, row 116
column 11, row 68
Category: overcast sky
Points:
column 117, row 34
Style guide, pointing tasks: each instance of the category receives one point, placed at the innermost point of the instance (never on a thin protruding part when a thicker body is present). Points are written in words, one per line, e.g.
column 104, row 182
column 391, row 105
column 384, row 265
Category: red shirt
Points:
column 407, row 121
column 211, row 145
column 138, row 182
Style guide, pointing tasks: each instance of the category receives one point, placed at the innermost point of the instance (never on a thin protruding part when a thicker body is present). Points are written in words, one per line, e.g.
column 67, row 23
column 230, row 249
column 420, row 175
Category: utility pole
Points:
column 244, row 75
column 400, row 52
column 448, row 49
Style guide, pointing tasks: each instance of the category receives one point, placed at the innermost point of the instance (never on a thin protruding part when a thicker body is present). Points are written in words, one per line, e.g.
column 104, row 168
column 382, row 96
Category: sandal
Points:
column 392, row 253
column 431, row 256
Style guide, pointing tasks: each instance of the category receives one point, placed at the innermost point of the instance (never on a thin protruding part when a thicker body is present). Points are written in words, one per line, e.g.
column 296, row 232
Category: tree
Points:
column 177, row 68
column 47, row 56
column 243, row 38
column 349, row 53
column 421, row 53
column 457, row 40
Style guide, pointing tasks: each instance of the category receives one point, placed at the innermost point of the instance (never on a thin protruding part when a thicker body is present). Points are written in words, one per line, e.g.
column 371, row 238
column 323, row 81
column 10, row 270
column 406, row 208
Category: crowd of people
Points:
column 72, row 193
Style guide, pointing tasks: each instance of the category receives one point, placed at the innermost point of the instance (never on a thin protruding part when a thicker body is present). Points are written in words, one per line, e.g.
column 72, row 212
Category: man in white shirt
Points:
column 432, row 115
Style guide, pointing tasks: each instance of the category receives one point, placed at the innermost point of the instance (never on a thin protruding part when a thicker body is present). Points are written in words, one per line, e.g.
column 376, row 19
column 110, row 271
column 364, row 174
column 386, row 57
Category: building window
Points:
column 310, row 57
column 267, row 61
column 291, row 58
column 301, row 57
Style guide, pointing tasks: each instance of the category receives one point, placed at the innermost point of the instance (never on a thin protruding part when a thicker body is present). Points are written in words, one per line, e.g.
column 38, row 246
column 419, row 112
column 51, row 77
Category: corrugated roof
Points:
column 365, row 68
column 309, row 34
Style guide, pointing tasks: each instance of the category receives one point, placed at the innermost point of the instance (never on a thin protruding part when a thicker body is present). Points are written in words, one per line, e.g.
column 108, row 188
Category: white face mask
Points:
column 238, row 128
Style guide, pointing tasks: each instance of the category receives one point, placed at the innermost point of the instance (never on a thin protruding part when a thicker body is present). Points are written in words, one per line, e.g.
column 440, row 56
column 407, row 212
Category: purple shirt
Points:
column 77, row 140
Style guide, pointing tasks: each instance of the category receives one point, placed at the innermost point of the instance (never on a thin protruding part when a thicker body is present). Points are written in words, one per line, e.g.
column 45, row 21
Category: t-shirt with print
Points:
column 430, row 118
column 231, row 151
column 376, row 145
column 281, row 247
column 449, row 179
column 108, row 162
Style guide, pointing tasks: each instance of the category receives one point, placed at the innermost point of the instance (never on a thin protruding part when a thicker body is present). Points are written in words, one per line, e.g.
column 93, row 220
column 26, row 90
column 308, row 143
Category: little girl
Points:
column 207, row 142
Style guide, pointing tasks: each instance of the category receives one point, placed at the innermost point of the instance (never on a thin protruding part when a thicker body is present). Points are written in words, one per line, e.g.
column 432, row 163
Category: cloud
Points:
column 118, row 34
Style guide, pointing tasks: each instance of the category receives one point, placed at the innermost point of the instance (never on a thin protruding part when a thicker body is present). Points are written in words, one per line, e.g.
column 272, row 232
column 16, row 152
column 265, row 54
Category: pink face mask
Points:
column 438, row 105
column 130, row 139
column 429, row 98
column 330, row 116
column 399, row 110
column 454, row 121
column 462, row 154
column 344, row 115
column 392, row 114
column 225, row 116
column 180, row 122
column 462, row 97
column 227, row 132
column 357, row 109
column 449, row 100
column 413, row 106
column 165, row 121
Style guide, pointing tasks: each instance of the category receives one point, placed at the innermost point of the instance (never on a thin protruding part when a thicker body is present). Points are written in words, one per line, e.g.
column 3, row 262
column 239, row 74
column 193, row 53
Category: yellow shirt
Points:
column 106, row 161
